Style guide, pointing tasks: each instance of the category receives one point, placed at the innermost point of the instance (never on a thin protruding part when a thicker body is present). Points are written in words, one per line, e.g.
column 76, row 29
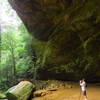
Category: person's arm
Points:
column 80, row 83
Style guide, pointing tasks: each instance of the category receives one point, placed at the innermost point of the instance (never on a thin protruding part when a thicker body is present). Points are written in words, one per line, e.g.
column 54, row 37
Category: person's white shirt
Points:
column 83, row 86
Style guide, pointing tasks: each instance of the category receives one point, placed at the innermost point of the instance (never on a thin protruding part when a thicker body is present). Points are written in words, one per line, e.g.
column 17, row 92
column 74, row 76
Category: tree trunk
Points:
column 13, row 60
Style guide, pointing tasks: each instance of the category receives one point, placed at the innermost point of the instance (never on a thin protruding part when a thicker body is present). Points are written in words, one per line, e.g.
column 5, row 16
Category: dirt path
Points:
column 93, row 93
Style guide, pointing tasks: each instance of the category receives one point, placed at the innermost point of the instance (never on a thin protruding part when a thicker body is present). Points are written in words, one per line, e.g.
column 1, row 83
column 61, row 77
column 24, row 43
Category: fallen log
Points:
column 22, row 91
column 40, row 93
column 53, row 89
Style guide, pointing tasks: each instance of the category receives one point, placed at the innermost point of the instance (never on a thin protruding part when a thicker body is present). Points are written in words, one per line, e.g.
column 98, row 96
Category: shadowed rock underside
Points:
column 66, row 36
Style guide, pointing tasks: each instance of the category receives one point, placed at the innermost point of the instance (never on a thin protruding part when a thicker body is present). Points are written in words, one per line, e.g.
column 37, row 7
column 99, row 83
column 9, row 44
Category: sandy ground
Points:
column 93, row 93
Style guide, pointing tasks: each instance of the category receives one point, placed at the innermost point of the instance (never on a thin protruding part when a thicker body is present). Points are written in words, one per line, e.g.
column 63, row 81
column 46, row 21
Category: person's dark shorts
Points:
column 84, row 93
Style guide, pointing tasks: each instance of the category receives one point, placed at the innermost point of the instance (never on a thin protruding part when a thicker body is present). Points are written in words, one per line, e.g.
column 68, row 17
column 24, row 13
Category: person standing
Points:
column 83, row 88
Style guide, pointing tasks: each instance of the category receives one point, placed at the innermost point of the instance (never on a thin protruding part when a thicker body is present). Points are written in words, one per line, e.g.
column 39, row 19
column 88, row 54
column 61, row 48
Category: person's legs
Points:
column 84, row 94
column 86, row 98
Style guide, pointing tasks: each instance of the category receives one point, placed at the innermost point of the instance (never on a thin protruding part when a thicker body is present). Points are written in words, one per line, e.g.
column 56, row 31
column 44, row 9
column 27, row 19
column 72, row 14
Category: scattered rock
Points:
column 40, row 93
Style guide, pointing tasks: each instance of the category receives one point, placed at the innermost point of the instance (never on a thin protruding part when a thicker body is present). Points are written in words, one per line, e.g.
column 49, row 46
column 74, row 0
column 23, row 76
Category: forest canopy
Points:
column 16, row 51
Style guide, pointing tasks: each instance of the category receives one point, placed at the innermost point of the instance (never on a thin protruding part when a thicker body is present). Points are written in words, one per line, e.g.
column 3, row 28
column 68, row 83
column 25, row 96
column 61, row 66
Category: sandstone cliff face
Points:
column 66, row 35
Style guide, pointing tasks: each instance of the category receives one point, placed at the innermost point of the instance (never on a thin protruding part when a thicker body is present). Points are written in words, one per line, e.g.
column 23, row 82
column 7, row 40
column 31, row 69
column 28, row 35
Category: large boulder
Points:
column 22, row 91
column 2, row 96
column 66, row 36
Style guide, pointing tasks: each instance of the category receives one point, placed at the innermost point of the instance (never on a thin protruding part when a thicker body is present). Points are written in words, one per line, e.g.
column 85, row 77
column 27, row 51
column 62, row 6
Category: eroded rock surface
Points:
column 66, row 36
